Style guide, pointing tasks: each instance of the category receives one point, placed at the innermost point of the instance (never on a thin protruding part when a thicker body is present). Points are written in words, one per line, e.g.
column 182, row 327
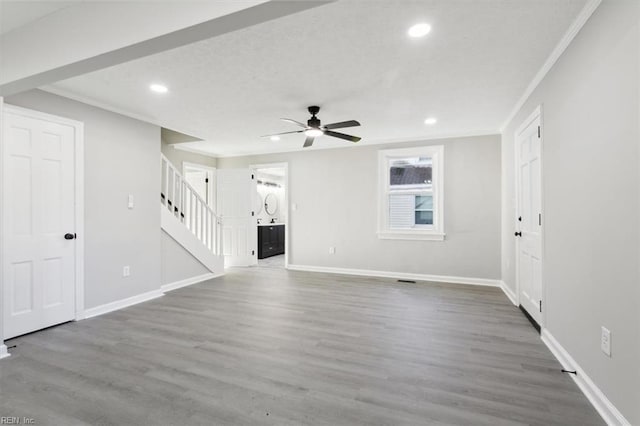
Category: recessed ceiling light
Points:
column 158, row 88
column 419, row 30
column 275, row 138
column 314, row 132
column 430, row 121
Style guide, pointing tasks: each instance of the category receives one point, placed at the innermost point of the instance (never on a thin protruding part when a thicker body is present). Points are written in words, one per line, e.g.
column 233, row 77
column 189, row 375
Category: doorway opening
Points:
column 272, row 211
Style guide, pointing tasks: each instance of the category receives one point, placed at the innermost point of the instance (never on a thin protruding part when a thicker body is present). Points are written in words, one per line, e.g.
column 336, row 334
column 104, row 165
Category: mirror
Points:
column 271, row 204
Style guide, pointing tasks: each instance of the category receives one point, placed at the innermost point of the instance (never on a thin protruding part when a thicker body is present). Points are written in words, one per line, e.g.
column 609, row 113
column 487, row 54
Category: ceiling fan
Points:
column 314, row 128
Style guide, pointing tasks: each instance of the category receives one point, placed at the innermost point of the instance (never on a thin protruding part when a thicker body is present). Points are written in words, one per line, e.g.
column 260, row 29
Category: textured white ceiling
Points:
column 16, row 13
column 352, row 58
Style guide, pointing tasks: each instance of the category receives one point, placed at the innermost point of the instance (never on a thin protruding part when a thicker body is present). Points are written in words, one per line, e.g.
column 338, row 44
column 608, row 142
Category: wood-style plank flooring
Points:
column 276, row 347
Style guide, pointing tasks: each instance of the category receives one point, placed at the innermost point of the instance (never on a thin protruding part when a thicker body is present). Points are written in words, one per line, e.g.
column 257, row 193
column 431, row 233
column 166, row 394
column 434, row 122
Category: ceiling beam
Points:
column 37, row 54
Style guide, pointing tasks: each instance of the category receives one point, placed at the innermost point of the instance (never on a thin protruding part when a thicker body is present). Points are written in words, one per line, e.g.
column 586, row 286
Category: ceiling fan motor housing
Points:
column 313, row 121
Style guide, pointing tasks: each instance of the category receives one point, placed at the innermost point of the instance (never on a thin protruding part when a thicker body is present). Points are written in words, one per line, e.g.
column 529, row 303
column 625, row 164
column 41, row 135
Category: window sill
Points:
column 411, row 235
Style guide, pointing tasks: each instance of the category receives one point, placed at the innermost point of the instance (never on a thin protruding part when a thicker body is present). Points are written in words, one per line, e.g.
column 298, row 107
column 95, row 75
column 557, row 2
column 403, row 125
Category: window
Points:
column 411, row 193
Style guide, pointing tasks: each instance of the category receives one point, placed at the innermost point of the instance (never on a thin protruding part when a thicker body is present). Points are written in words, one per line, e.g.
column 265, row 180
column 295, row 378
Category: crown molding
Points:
column 557, row 52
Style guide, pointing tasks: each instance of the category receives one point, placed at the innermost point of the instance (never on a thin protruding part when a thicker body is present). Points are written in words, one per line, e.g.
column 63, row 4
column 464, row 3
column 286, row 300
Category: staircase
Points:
column 189, row 220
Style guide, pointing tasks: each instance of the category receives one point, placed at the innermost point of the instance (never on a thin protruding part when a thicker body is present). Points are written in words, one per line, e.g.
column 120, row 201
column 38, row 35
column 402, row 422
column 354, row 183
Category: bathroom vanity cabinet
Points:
column 270, row 240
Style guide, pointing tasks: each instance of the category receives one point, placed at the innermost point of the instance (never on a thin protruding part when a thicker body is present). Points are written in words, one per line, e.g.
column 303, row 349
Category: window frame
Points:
column 433, row 232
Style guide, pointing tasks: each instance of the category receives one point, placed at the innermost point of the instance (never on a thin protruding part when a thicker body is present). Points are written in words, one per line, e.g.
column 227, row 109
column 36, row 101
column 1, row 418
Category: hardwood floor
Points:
column 270, row 346
column 272, row 262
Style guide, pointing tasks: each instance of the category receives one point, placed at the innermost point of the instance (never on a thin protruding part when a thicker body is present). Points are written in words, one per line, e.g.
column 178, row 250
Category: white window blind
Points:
column 401, row 211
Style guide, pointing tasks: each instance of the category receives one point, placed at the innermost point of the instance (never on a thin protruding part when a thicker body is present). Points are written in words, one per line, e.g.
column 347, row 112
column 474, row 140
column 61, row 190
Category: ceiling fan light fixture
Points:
column 275, row 138
column 314, row 133
column 158, row 88
column 419, row 30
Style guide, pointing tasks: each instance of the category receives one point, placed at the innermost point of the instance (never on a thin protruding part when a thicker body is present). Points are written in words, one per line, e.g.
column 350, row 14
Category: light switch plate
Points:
column 605, row 341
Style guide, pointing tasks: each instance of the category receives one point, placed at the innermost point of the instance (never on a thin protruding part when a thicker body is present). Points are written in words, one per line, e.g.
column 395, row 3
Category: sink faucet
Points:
column 273, row 220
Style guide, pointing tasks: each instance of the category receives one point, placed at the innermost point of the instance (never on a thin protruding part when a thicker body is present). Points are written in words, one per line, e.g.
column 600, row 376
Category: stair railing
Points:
column 183, row 201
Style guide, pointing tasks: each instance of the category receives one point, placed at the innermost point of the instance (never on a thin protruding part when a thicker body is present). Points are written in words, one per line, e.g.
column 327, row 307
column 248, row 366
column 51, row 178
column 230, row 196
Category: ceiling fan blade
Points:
column 350, row 138
column 297, row 123
column 284, row 133
column 308, row 141
column 342, row 124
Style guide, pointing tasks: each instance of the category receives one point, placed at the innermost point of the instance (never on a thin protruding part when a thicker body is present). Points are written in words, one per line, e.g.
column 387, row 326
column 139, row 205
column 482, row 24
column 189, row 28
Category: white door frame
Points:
column 212, row 172
column 79, row 199
column 3, row 348
column 534, row 115
column 284, row 166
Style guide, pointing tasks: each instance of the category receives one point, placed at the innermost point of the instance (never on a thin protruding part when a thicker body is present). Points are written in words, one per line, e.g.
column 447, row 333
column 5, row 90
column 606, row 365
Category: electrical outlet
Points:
column 605, row 341
column 126, row 271
column 332, row 250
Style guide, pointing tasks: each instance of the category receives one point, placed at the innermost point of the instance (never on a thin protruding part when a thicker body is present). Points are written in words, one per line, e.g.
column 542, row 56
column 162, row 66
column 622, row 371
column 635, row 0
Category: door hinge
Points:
column 206, row 180
column 541, row 306
column 538, row 132
column 253, row 252
column 539, row 219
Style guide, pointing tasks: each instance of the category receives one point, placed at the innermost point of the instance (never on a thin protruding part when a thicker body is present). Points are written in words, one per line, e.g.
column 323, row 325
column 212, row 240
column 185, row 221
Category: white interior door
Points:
column 198, row 179
column 529, row 219
column 236, row 189
column 202, row 179
column 39, row 209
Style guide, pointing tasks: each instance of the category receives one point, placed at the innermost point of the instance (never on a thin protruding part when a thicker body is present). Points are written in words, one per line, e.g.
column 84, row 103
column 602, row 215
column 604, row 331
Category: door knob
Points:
column 69, row 236
column 518, row 234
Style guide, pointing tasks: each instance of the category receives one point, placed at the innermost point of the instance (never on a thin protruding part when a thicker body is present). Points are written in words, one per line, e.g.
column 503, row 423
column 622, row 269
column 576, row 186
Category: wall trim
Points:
column 123, row 303
column 565, row 41
column 4, row 353
column 601, row 403
column 189, row 281
column 398, row 275
column 179, row 147
column 510, row 294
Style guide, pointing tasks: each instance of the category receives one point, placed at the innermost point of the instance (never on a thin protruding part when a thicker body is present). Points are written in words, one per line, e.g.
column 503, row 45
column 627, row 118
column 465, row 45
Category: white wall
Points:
column 336, row 194
column 121, row 158
column 591, row 193
column 177, row 263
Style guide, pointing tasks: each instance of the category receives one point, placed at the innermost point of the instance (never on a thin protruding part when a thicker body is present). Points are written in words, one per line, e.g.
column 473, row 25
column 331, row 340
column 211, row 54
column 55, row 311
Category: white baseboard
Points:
column 510, row 294
column 607, row 410
column 189, row 281
column 397, row 275
column 4, row 353
column 120, row 304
